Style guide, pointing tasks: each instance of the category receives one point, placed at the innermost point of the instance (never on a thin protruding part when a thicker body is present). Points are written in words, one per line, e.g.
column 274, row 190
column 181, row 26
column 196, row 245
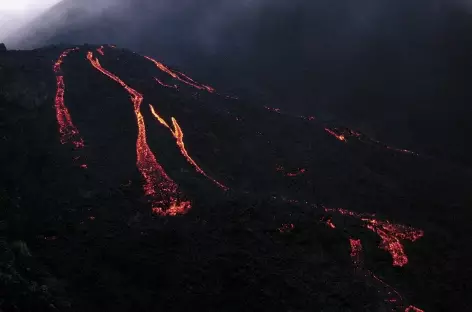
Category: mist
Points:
column 18, row 13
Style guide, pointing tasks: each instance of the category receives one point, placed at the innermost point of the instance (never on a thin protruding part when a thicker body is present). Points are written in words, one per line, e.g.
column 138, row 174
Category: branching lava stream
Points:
column 166, row 199
column 179, row 136
column 180, row 76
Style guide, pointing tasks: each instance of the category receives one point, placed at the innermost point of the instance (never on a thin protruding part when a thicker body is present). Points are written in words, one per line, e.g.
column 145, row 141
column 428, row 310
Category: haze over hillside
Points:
column 400, row 70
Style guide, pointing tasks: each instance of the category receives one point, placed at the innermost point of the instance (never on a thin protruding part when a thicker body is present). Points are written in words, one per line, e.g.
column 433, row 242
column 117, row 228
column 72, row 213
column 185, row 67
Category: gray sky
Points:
column 15, row 13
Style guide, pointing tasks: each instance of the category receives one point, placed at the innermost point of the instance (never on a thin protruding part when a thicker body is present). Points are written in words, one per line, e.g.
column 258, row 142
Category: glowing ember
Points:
column 330, row 223
column 286, row 228
column 166, row 85
column 297, row 173
column 340, row 137
column 180, row 76
column 179, row 136
column 394, row 298
column 68, row 131
column 100, row 50
column 175, row 208
column 356, row 250
column 390, row 234
column 158, row 185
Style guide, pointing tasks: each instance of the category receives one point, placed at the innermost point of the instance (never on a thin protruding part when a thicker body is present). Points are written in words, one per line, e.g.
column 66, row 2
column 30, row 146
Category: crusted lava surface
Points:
column 128, row 185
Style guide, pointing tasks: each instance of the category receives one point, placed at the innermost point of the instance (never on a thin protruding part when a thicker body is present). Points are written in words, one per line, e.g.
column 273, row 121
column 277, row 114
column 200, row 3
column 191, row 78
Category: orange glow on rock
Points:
column 390, row 234
column 356, row 250
column 340, row 137
column 100, row 50
column 180, row 76
column 175, row 208
column 179, row 136
column 166, row 85
column 162, row 190
column 67, row 130
column 330, row 223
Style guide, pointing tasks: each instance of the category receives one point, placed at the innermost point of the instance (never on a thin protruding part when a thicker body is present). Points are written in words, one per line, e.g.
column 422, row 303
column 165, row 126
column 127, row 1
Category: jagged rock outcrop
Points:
column 3, row 48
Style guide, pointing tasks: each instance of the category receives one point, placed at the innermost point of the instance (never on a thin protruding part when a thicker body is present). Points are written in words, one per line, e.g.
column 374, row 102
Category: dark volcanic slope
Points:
column 128, row 215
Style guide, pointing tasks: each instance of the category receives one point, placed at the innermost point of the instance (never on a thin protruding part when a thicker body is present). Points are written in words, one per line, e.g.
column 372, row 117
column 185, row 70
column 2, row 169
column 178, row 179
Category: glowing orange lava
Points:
column 343, row 134
column 329, row 222
column 394, row 299
column 100, row 50
column 356, row 250
column 340, row 137
column 180, row 76
column 390, row 234
column 179, row 136
column 166, row 85
column 67, row 129
column 162, row 190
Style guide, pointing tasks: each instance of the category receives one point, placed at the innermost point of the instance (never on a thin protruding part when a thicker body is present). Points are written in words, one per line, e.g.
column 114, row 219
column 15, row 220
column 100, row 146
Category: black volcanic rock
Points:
column 3, row 48
column 96, row 246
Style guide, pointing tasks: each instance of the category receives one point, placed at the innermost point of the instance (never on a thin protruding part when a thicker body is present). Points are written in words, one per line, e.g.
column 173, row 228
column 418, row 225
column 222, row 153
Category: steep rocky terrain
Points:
column 126, row 185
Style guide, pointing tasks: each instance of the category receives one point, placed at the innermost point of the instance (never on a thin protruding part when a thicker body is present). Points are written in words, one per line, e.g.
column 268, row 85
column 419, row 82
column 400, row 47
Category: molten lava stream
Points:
column 163, row 191
column 68, row 131
column 166, row 85
column 179, row 136
column 180, row 76
column 394, row 297
column 389, row 233
column 340, row 137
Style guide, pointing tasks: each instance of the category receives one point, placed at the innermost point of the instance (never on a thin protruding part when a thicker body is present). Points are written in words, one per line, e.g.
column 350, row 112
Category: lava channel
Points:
column 158, row 186
column 68, row 131
column 390, row 234
column 180, row 76
column 179, row 136
column 395, row 300
column 166, row 85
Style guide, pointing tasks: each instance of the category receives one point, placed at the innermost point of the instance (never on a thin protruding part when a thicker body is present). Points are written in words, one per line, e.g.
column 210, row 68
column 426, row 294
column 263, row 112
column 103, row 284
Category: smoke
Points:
column 17, row 13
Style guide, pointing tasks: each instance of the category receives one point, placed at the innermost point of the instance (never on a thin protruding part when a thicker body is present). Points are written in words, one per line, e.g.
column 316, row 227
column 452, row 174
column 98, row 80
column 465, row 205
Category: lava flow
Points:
column 180, row 76
column 179, row 136
column 163, row 191
column 166, row 85
column 100, row 50
column 340, row 137
column 389, row 233
column 67, row 129
column 395, row 300
column 343, row 134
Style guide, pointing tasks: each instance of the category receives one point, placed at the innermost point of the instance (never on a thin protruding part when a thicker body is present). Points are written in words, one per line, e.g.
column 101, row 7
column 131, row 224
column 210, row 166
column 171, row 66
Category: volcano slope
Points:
column 128, row 186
